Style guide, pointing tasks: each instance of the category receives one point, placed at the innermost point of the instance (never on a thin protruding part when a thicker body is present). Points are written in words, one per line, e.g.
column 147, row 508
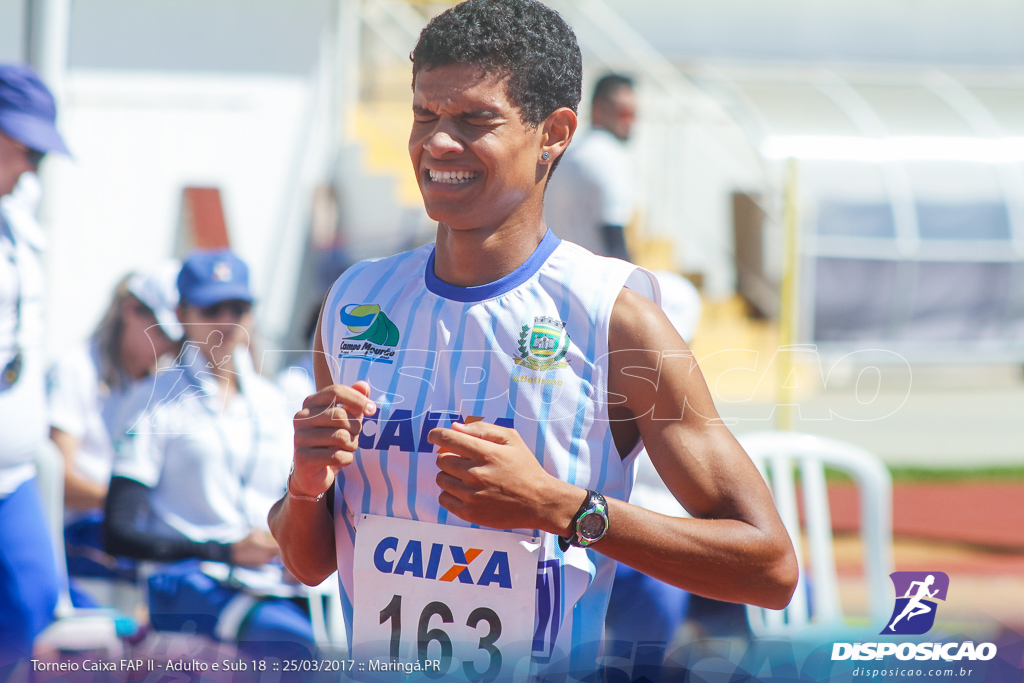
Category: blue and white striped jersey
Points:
column 529, row 351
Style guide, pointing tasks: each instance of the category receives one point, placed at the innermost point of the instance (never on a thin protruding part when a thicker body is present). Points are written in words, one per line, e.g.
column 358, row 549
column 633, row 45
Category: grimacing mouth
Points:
column 451, row 177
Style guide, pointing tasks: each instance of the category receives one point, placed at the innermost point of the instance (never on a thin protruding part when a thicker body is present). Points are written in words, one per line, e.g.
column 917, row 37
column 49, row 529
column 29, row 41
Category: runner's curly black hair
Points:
column 523, row 38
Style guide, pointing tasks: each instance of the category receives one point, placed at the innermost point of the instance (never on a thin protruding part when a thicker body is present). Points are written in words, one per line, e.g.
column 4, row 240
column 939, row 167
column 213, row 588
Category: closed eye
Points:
column 481, row 121
column 481, row 117
column 422, row 115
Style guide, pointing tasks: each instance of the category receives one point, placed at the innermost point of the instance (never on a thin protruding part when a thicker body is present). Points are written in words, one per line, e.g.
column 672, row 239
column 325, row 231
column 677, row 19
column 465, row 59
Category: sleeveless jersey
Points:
column 529, row 351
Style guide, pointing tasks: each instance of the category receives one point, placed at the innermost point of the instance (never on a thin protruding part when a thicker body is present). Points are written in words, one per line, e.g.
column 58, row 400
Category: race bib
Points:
column 443, row 601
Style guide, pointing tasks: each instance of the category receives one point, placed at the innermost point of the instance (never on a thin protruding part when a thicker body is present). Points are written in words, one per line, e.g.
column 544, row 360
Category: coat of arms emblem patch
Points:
column 543, row 347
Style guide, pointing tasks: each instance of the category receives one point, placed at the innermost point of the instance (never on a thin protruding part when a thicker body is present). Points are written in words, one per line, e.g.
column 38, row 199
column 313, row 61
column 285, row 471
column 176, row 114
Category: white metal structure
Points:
column 912, row 200
column 782, row 457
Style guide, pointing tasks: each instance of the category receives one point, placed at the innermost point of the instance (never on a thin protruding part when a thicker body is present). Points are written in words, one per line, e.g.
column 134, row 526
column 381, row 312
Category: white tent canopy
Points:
column 912, row 199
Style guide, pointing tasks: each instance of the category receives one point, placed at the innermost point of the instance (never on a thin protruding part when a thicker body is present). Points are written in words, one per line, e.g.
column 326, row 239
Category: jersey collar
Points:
column 492, row 289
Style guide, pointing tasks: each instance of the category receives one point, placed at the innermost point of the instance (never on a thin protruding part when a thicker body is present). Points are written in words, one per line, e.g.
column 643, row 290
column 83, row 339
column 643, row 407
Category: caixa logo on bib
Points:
column 457, row 564
column 914, row 612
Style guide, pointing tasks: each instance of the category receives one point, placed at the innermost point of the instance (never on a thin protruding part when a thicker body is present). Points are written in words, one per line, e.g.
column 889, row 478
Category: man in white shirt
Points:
column 590, row 201
column 28, row 578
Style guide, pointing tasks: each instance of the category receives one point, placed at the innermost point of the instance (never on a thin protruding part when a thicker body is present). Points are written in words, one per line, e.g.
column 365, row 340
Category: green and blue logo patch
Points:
column 374, row 335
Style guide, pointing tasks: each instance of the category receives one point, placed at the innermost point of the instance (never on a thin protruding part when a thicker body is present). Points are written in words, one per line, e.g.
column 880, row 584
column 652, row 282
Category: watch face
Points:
column 592, row 526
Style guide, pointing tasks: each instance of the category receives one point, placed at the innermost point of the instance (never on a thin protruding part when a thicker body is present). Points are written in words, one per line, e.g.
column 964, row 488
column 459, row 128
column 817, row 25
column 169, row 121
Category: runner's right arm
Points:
column 326, row 434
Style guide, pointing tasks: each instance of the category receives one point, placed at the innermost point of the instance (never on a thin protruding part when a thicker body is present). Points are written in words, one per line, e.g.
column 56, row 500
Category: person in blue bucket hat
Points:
column 28, row 124
column 28, row 575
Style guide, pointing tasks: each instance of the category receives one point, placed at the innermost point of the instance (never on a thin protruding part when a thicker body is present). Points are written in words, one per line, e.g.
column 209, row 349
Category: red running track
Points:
column 985, row 514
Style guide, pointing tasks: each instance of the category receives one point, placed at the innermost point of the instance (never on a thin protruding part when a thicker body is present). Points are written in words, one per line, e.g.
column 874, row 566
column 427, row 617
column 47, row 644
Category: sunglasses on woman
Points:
column 235, row 307
column 34, row 156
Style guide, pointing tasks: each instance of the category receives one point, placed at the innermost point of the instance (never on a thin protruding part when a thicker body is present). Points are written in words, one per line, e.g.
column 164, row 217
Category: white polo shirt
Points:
column 23, row 424
column 213, row 470
column 83, row 405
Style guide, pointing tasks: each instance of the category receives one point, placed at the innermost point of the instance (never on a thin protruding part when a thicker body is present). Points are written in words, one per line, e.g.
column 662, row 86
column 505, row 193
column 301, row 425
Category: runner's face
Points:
column 14, row 160
column 464, row 127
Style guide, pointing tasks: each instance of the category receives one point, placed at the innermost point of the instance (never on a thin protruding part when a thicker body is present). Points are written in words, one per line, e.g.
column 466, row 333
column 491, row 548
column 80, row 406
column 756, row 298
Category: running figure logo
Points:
column 914, row 613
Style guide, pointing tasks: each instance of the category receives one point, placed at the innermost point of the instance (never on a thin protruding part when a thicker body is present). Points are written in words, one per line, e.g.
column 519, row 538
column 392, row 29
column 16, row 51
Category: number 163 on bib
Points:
column 451, row 602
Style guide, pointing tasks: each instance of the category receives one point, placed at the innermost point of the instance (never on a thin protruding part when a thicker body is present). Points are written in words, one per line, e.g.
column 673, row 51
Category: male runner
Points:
column 501, row 379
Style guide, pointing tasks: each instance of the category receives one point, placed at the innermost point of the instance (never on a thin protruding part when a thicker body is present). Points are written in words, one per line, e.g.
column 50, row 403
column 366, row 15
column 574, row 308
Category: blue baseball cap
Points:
column 27, row 110
column 209, row 277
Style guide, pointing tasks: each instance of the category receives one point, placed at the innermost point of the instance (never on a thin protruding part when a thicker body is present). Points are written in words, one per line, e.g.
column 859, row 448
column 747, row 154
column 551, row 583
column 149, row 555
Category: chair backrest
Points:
column 92, row 630
column 325, row 614
column 50, row 480
column 782, row 457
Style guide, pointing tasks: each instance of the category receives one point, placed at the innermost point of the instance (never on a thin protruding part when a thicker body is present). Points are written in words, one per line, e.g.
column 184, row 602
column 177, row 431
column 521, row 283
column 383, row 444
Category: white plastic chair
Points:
column 780, row 456
column 325, row 614
column 73, row 629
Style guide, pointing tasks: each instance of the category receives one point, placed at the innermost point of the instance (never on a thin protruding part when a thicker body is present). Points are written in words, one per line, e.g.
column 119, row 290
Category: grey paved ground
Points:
column 940, row 426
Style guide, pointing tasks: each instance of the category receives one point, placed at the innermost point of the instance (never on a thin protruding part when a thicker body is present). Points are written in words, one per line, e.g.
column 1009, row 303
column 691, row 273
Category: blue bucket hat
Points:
column 209, row 277
column 27, row 110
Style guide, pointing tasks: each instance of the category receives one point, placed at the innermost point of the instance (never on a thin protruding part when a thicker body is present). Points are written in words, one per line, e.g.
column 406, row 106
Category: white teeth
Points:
column 452, row 177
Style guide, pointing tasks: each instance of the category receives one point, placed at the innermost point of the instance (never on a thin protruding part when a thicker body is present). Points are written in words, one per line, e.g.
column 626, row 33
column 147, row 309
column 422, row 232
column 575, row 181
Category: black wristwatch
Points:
column 589, row 524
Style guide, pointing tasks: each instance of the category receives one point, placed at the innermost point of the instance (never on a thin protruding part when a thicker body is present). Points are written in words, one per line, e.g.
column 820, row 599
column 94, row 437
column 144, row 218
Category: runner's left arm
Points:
column 735, row 547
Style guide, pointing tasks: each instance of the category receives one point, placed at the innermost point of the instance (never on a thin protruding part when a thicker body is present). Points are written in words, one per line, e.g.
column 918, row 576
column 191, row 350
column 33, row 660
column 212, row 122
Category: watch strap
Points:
column 593, row 500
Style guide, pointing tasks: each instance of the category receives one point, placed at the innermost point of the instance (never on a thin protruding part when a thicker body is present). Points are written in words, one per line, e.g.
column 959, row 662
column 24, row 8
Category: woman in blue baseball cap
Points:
column 206, row 454
column 28, row 578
